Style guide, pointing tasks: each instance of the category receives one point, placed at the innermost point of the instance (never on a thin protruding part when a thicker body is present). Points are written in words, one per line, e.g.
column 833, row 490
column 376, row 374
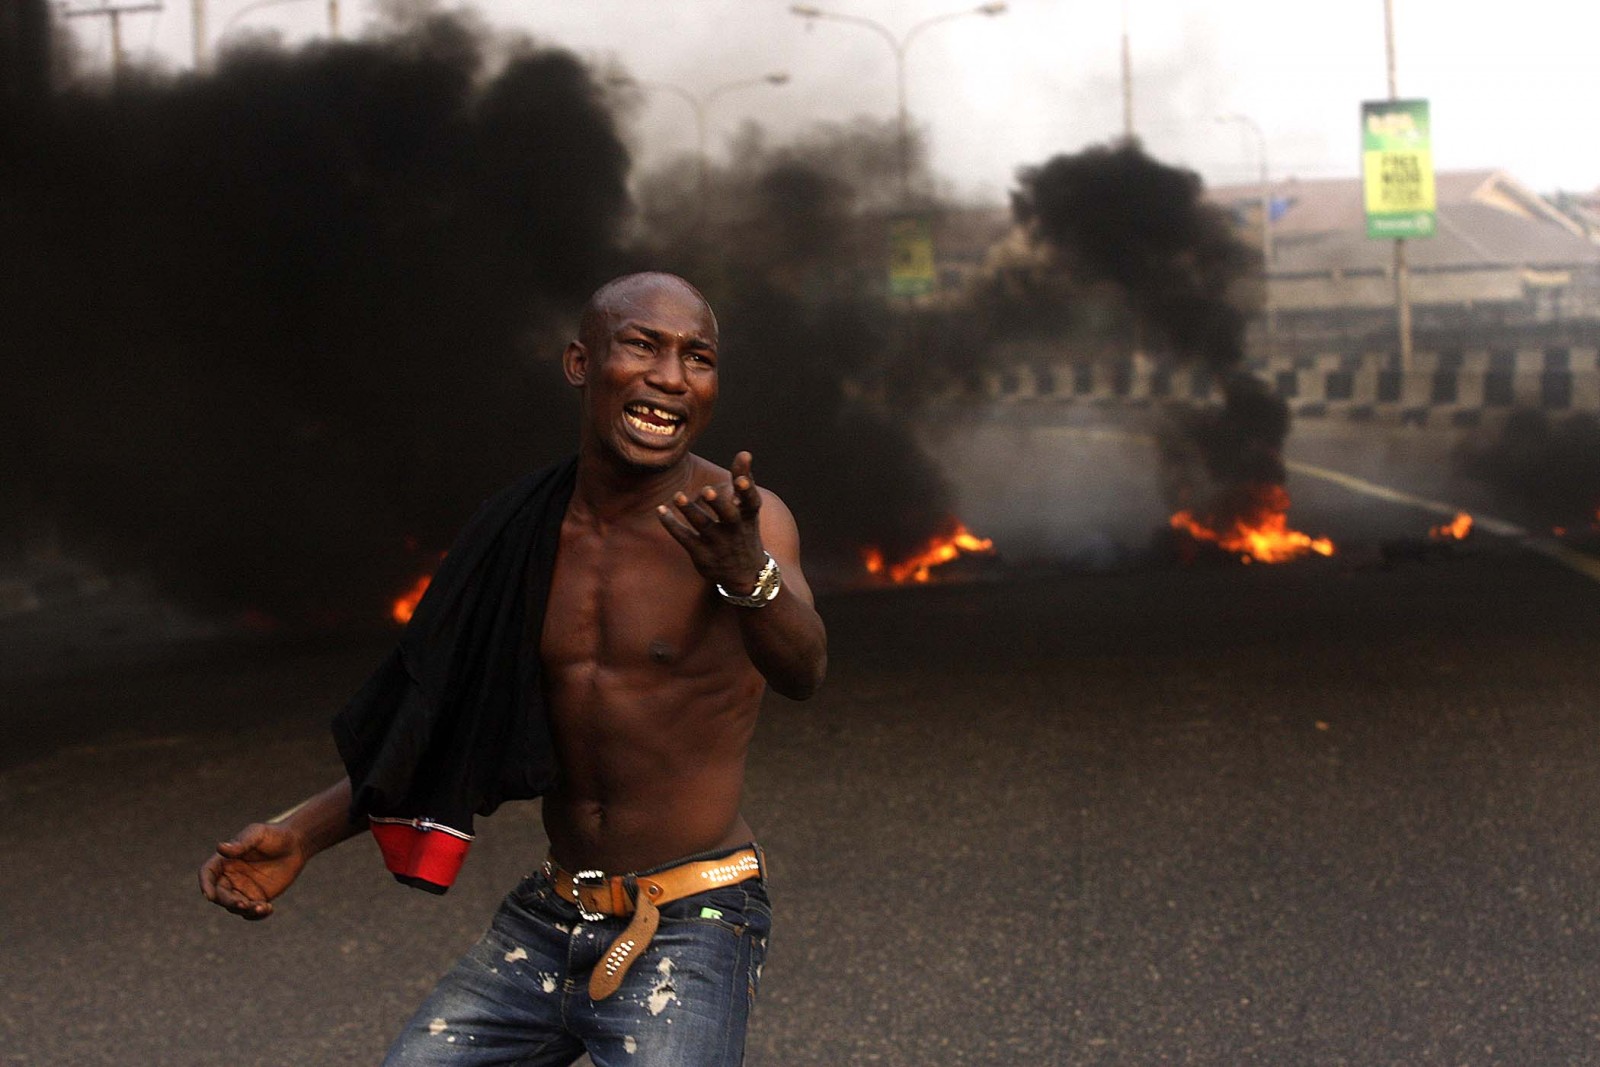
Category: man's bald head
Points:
column 617, row 299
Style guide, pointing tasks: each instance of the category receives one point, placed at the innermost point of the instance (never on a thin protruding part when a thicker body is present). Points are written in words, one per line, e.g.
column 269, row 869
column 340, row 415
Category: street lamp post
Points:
column 1266, row 222
column 1127, row 78
column 197, row 30
column 899, row 46
column 200, row 55
column 700, row 105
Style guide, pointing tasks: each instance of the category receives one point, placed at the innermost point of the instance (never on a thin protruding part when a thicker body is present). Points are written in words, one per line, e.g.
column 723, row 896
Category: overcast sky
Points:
column 1512, row 85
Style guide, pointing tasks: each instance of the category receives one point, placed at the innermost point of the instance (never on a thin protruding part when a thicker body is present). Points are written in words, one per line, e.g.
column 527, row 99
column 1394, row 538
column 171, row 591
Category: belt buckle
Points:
column 587, row 880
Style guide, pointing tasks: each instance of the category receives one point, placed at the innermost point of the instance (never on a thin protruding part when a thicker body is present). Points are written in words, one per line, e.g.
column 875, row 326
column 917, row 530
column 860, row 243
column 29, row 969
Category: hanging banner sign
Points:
column 1397, row 168
column 911, row 270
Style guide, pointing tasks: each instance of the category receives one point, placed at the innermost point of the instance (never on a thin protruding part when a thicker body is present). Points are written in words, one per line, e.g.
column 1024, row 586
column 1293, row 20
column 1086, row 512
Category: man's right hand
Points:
column 253, row 869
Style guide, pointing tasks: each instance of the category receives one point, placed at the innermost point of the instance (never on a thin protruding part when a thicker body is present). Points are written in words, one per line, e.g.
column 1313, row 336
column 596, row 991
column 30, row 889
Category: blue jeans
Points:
column 521, row 995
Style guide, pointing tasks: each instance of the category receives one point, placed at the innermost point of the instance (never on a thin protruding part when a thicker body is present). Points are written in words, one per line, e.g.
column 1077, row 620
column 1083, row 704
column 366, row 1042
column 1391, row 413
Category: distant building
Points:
column 1505, row 307
column 1583, row 209
column 1507, row 267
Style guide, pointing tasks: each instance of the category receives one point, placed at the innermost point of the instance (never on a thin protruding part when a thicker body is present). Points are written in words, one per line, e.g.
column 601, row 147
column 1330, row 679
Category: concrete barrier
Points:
column 1444, row 387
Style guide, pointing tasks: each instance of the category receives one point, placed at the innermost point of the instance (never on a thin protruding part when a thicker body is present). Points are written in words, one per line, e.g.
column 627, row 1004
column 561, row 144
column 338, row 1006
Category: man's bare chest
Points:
column 624, row 599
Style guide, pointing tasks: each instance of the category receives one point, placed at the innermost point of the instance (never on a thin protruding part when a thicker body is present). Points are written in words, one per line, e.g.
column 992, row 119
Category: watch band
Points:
column 768, row 582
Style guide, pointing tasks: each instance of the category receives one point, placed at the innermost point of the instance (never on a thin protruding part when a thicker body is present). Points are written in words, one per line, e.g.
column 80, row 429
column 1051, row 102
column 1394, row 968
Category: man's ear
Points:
column 575, row 364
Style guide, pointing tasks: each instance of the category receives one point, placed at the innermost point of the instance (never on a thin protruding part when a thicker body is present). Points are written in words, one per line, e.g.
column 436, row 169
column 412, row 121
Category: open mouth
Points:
column 649, row 419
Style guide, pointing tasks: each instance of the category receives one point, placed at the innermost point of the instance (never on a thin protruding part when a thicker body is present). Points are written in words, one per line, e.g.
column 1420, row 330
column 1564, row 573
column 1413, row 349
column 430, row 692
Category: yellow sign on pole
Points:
column 911, row 266
column 1397, row 167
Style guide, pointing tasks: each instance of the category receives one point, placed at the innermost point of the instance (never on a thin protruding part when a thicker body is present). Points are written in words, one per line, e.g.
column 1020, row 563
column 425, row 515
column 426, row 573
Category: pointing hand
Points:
column 719, row 526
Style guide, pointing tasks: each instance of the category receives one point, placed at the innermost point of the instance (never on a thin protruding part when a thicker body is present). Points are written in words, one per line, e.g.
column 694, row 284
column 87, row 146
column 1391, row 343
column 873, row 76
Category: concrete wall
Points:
column 1444, row 387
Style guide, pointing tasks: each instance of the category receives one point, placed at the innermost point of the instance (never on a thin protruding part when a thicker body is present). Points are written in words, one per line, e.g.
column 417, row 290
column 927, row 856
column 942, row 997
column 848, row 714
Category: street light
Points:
column 700, row 105
column 1266, row 220
column 899, row 45
column 255, row 5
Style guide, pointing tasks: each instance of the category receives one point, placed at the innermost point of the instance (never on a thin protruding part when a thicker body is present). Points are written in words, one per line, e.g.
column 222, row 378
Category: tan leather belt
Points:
column 598, row 895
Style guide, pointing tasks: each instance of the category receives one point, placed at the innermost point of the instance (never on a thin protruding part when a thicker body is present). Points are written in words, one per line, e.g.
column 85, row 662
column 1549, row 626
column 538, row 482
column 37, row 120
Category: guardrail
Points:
column 1449, row 387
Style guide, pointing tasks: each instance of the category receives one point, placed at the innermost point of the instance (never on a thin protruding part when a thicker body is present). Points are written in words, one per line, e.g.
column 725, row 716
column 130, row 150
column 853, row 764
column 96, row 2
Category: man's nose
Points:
column 667, row 372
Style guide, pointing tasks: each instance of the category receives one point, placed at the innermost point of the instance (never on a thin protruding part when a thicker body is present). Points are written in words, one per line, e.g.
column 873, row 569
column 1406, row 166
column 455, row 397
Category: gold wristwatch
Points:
column 768, row 582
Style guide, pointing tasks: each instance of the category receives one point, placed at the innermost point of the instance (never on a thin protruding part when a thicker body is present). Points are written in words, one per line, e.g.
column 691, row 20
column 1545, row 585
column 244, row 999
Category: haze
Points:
column 1043, row 78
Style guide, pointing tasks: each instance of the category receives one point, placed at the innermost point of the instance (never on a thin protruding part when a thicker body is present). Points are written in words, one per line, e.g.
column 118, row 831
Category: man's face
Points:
column 649, row 374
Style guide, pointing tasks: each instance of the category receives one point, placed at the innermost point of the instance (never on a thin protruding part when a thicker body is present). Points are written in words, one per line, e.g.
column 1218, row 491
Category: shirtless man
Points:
column 653, row 676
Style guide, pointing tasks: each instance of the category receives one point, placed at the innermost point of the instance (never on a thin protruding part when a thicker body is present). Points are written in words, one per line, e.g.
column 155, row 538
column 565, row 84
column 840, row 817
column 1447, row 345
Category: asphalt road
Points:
column 1338, row 812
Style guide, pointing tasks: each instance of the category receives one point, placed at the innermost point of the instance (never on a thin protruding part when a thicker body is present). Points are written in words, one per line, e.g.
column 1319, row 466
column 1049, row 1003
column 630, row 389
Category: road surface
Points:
column 1336, row 812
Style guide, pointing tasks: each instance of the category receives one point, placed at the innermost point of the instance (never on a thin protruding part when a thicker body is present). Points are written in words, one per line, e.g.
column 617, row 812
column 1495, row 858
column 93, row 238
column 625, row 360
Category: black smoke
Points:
column 788, row 244
column 274, row 331
column 1113, row 213
column 1113, row 216
column 27, row 55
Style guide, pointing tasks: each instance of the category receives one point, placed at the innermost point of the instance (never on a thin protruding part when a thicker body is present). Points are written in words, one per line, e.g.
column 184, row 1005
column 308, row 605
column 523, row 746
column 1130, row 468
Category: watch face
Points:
column 768, row 581
column 767, row 585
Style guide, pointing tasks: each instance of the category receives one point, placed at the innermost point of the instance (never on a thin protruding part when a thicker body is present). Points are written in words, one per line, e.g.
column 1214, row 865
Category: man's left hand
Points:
column 720, row 528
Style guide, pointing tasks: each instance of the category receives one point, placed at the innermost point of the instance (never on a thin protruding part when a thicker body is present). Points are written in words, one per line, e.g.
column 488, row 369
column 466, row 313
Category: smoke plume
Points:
column 1113, row 213
column 273, row 325
column 1113, row 216
column 788, row 244
column 281, row 326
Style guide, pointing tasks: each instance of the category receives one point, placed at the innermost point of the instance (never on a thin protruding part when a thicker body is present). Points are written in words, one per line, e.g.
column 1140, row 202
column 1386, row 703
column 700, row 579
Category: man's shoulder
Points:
column 706, row 472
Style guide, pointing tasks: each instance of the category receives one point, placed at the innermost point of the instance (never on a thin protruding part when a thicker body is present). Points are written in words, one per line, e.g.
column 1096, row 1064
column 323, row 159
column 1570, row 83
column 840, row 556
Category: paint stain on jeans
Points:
column 663, row 992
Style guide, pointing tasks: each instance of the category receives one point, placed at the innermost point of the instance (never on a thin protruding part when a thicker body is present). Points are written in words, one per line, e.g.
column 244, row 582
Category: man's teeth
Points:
column 664, row 422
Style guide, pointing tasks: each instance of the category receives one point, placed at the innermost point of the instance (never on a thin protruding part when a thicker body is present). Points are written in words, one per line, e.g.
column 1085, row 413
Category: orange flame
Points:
column 1454, row 530
column 403, row 607
column 1263, row 536
column 939, row 550
column 1594, row 524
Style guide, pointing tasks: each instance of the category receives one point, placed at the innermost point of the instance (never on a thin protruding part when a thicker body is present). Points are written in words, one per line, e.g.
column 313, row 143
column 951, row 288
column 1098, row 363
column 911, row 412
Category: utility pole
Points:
column 114, row 13
column 1127, row 78
column 197, row 24
column 1402, row 277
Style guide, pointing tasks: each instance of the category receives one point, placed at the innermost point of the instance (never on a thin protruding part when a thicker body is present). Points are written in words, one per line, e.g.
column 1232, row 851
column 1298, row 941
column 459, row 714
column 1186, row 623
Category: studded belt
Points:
column 598, row 895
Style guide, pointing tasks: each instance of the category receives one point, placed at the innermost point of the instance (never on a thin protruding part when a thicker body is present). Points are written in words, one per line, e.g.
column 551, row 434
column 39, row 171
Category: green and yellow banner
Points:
column 911, row 268
column 1397, row 168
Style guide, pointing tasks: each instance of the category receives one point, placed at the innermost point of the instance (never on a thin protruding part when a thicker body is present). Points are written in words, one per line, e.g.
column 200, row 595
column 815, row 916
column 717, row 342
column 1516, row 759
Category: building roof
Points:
column 1485, row 219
